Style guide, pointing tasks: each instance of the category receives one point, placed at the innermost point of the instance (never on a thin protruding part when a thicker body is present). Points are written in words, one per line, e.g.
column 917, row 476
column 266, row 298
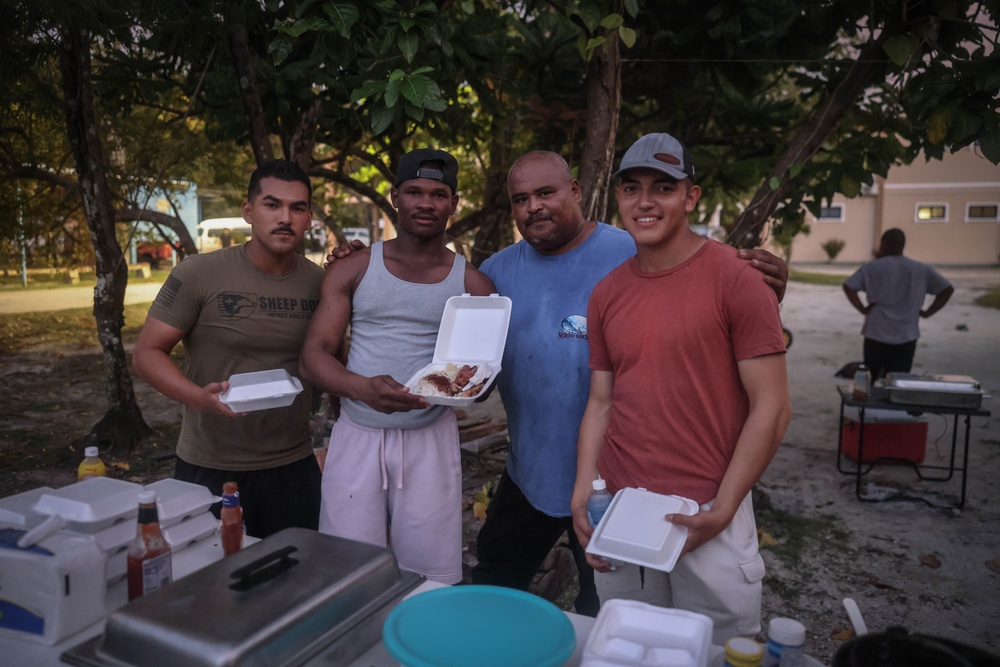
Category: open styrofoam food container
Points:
column 633, row 529
column 93, row 504
column 629, row 632
column 261, row 390
column 179, row 501
column 473, row 332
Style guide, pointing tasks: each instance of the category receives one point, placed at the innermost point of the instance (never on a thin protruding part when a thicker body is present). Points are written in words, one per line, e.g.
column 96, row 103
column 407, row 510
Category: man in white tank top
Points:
column 393, row 474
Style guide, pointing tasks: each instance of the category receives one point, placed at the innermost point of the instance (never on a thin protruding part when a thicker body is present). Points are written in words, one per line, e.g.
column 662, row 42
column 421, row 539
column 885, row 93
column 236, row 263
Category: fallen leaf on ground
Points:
column 994, row 565
column 881, row 584
column 479, row 510
column 843, row 634
column 765, row 539
column 930, row 560
column 121, row 465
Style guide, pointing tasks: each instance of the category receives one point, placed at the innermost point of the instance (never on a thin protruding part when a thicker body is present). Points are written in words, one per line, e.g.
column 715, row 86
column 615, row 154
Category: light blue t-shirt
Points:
column 897, row 285
column 546, row 378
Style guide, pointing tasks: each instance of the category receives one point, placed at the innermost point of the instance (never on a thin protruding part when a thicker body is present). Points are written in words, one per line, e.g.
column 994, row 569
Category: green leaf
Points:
column 367, row 89
column 397, row 75
column 388, row 39
column 612, row 21
column 627, row 36
column 937, row 126
column 407, row 43
column 849, row 187
column 342, row 16
column 413, row 111
column 989, row 139
column 632, row 7
column 392, row 92
column 898, row 49
column 279, row 48
column 422, row 70
column 774, row 183
column 381, row 119
column 469, row 7
column 593, row 43
column 795, row 170
column 414, row 88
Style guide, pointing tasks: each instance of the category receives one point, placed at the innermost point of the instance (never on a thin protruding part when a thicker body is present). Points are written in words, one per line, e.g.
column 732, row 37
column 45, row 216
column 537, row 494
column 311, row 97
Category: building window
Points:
column 832, row 213
column 982, row 212
column 932, row 213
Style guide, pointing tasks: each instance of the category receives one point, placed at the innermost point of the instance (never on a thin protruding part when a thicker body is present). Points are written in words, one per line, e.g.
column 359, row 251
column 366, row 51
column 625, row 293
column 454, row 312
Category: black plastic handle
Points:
column 263, row 569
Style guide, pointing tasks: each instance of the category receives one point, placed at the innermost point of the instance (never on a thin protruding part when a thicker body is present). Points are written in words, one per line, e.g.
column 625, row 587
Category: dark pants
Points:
column 882, row 358
column 516, row 538
column 272, row 499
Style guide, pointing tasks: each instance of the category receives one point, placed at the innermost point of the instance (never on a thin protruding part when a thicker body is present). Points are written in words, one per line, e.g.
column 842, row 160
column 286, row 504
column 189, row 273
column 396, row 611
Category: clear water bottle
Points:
column 861, row 379
column 598, row 502
column 786, row 640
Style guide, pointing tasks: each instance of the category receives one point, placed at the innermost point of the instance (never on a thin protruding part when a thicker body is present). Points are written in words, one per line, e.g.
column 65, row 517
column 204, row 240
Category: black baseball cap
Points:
column 428, row 163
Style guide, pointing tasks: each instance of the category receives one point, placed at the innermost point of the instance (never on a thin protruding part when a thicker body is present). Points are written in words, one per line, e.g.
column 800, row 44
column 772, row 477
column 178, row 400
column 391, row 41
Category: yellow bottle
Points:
column 741, row 652
column 92, row 466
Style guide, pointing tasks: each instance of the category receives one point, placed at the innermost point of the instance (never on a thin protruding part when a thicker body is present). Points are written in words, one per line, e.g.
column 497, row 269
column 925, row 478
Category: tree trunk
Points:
column 604, row 96
column 123, row 424
column 242, row 60
column 746, row 233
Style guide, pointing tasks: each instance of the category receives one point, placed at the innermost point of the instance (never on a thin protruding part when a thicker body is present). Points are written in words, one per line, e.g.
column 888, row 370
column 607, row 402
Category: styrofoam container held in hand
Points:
column 634, row 529
column 261, row 390
column 631, row 633
column 473, row 332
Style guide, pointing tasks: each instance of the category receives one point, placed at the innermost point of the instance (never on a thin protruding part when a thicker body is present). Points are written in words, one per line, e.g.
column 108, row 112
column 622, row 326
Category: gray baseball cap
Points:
column 661, row 152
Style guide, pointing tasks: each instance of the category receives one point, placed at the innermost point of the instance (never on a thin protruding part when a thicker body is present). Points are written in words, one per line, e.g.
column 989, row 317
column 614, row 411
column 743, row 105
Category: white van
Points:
column 210, row 234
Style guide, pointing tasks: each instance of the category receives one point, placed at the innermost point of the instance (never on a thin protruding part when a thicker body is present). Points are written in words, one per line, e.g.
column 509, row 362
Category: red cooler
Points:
column 889, row 434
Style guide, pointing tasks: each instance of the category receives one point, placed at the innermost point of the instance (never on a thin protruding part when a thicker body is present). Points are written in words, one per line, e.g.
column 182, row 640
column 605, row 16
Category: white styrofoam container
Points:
column 19, row 510
column 182, row 535
column 177, row 501
column 473, row 331
column 52, row 589
column 114, row 542
column 93, row 504
column 261, row 390
column 633, row 529
column 629, row 632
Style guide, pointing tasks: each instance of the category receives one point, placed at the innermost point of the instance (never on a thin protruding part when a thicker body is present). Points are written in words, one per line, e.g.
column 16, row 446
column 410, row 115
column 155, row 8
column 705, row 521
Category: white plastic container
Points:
column 18, row 510
column 114, row 541
column 261, row 390
column 629, row 632
column 52, row 589
column 93, row 504
column 186, row 533
column 786, row 640
column 178, row 501
column 634, row 530
column 474, row 332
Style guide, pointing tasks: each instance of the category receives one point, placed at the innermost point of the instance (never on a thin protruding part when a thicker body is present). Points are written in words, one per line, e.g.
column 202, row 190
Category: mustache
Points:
column 537, row 217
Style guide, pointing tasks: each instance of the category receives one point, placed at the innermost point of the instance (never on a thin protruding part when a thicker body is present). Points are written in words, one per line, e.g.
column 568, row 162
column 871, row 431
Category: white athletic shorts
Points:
column 721, row 579
column 400, row 489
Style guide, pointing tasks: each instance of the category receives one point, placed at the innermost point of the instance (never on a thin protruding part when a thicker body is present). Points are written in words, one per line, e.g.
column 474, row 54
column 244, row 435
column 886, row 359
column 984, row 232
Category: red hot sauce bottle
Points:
column 149, row 567
column 232, row 519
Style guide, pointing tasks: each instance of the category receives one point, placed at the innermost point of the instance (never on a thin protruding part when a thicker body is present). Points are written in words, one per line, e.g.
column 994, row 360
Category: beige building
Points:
column 949, row 210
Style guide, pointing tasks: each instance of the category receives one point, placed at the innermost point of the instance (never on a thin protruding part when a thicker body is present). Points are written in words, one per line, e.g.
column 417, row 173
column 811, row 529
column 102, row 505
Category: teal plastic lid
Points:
column 485, row 626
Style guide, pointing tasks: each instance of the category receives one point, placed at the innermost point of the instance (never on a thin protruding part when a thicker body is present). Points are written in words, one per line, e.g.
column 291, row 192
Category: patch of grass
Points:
column 10, row 280
column 74, row 328
column 796, row 533
column 991, row 299
column 815, row 278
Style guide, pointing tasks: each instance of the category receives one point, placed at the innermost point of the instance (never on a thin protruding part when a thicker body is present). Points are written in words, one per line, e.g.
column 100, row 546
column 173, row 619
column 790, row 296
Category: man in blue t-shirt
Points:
column 546, row 378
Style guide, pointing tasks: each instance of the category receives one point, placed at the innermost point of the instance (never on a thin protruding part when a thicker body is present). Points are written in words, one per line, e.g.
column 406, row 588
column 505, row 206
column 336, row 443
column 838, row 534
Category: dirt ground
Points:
column 911, row 560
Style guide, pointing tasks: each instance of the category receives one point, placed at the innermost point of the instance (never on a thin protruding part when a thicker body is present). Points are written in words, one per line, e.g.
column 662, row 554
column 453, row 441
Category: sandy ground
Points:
column 907, row 561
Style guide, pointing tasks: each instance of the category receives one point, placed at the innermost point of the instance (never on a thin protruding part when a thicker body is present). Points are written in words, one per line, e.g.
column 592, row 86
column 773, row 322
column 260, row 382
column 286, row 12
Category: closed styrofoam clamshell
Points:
column 261, row 390
column 177, row 501
column 19, row 510
column 93, row 504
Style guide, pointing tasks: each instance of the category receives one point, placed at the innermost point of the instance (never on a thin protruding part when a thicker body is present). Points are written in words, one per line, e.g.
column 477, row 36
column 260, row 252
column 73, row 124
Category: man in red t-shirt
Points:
column 688, row 393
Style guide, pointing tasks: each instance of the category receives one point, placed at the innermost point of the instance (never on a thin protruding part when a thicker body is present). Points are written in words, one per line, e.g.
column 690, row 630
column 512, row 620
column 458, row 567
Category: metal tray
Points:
column 967, row 400
column 295, row 597
column 932, row 382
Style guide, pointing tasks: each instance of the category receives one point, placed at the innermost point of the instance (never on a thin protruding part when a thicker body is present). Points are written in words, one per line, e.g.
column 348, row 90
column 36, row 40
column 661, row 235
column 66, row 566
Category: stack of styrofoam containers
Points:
column 102, row 507
column 628, row 633
column 186, row 523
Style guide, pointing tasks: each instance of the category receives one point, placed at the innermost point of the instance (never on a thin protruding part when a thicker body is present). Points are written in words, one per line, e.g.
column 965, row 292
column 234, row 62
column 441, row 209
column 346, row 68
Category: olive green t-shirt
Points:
column 239, row 319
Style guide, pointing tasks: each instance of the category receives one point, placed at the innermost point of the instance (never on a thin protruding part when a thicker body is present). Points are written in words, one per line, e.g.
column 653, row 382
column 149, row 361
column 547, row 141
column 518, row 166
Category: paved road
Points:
column 60, row 298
